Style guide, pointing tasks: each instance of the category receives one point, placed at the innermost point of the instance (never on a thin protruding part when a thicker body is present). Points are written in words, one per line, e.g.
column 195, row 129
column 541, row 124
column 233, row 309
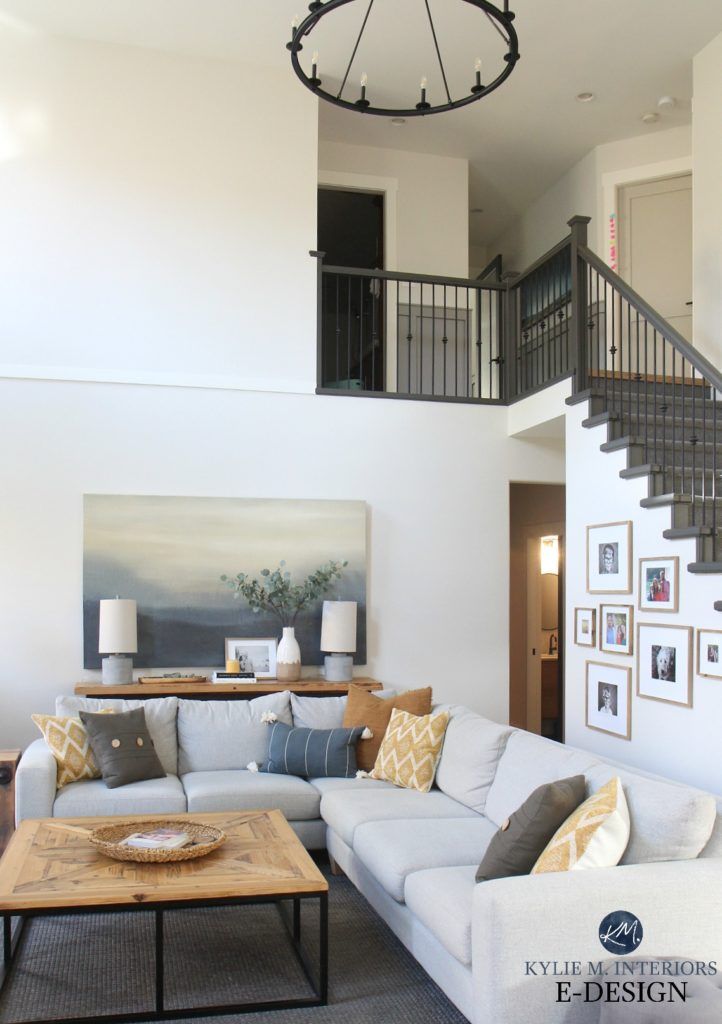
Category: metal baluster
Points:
column 693, row 442
column 398, row 338
column 681, row 424
column 421, row 339
column 433, row 338
column 469, row 388
column 638, row 378
column 348, row 331
column 627, row 414
column 361, row 282
column 714, row 474
column 338, row 328
column 456, row 341
column 703, row 413
column 409, row 336
column 665, row 404
column 656, row 407
column 444, row 341
column 674, row 421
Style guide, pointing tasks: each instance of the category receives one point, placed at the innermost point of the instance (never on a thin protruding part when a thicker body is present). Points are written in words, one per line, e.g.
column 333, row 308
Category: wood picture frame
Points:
column 591, row 620
column 713, row 667
column 623, row 620
column 651, row 578
column 608, row 699
column 664, row 663
column 255, row 654
column 609, row 558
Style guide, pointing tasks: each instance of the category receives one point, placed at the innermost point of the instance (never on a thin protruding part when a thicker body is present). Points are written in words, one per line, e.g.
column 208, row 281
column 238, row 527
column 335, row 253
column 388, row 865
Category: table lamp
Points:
column 338, row 637
column 118, row 636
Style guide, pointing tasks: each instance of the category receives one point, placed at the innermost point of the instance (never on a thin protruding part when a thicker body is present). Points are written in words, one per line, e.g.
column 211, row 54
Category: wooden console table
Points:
column 223, row 691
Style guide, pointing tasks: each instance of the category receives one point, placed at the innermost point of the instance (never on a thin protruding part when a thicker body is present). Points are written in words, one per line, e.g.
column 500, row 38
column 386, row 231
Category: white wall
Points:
column 435, row 478
column 432, row 225
column 582, row 191
column 155, row 216
column 707, row 200
column 680, row 742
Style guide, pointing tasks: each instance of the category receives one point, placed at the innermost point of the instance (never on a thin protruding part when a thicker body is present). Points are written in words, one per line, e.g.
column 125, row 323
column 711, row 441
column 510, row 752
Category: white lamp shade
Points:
column 338, row 627
column 118, row 629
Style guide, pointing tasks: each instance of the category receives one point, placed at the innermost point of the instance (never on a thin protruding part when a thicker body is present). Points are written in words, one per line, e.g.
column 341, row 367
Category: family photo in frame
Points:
column 609, row 558
column 609, row 699
column 664, row 663
column 616, row 628
column 659, row 584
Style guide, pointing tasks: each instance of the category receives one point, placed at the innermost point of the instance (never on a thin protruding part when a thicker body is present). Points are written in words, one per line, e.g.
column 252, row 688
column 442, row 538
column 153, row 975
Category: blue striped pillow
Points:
column 312, row 753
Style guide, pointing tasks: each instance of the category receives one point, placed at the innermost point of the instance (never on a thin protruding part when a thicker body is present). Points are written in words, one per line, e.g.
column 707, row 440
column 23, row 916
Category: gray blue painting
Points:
column 169, row 554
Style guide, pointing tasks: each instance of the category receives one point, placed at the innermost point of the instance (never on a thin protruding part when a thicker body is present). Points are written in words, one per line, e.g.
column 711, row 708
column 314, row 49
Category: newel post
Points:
column 510, row 333
column 578, row 236
column 319, row 256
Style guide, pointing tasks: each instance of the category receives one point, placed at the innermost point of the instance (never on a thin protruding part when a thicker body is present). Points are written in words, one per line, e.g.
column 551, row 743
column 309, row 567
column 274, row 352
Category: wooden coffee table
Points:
column 50, row 867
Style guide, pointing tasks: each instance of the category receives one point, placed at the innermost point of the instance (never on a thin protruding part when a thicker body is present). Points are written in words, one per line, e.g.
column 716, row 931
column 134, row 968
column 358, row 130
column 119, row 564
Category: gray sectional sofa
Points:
column 414, row 855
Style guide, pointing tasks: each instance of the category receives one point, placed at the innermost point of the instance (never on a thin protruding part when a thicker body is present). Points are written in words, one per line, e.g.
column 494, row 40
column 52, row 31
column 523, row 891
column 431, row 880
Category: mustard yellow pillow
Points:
column 69, row 743
column 410, row 750
column 594, row 836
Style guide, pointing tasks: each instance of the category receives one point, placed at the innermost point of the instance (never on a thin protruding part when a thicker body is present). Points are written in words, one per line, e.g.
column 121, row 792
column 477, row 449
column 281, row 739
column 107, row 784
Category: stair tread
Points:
column 682, row 532
column 646, row 470
column 666, row 499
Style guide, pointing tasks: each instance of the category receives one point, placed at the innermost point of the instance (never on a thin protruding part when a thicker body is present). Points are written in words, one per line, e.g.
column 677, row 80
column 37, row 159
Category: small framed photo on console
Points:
column 253, row 654
column 609, row 699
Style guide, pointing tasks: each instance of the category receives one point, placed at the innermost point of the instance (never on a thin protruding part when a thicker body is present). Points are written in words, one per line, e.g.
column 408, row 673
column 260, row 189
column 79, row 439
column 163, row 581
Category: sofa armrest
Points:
column 556, row 918
column 35, row 782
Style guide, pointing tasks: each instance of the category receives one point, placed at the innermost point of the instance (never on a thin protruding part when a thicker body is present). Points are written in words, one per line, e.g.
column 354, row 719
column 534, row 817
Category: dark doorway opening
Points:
column 351, row 234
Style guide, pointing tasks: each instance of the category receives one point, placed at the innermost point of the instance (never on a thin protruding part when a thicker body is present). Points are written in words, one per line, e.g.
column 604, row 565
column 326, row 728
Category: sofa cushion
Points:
column 344, row 811
column 123, row 747
column 392, row 850
column 312, row 752
column 244, row 791
column 469, row 760
column 529, row 761
column 441, row 898
column 218, row 735
column 318, row 712
column 347, row 785
column 366, row 709
column 92, row 798
column 668, row 821
column 160, row 717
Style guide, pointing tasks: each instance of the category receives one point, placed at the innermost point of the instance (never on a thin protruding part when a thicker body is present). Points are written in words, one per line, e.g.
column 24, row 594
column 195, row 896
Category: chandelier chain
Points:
column 358, row 40
column 438, row 51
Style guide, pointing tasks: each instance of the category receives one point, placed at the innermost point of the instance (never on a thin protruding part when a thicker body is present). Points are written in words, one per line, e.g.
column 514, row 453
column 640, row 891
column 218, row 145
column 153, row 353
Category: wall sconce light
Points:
column 549, row 556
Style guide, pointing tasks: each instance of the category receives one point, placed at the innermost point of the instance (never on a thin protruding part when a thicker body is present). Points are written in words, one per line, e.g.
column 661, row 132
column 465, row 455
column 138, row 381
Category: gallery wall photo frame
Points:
column 585, row 627
column 664, row 663
column 709, row 653
column 608, row 700
column 659, row 584
column 609, row 558
column 616, row 629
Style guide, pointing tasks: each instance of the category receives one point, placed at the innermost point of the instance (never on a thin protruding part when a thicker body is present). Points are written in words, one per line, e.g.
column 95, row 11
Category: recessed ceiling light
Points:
column 585, row 97
column 650, row 118
column 666, row 102
column 398, row 121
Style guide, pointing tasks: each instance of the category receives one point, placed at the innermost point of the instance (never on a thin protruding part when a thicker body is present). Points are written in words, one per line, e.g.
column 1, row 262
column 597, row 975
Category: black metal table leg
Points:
column 297, row 920
column 159, row 961
column 323, row 950
column 7, row 938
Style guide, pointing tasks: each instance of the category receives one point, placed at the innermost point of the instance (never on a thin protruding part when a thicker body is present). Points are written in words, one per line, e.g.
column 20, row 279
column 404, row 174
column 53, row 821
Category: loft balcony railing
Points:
column 501, row 338
column 394, row 335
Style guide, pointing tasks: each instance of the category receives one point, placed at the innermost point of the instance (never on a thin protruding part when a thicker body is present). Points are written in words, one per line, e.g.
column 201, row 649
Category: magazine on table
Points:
column 158, row 839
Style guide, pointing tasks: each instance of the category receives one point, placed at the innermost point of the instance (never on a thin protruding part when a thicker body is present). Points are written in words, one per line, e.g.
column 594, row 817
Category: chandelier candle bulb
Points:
column 315, row 80
column 477, row 87
column 294, row 30
column 422, row 104
column 362, row 102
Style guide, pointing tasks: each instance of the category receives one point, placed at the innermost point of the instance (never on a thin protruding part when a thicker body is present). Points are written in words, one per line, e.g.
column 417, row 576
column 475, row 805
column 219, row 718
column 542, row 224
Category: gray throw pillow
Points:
column 312, row 753
column 517, row 845
column 123, row 747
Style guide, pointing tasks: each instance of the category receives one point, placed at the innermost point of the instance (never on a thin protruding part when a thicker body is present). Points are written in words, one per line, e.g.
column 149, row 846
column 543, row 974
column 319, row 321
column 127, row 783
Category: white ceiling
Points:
column 518, row 140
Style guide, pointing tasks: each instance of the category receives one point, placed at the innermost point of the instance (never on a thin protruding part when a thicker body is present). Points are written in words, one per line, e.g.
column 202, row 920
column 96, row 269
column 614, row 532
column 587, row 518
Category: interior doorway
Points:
column 536, row 598
column 351, row 234
column 655, row 245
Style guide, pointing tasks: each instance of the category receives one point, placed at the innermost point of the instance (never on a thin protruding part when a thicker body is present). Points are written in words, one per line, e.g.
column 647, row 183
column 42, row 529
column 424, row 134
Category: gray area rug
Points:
column 95, row 964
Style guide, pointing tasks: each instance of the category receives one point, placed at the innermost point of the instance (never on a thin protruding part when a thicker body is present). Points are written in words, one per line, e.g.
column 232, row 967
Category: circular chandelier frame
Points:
column 501, row 18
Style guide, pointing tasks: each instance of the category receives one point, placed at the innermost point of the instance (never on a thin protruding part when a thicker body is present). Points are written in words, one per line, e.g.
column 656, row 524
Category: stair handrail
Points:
column 670, row 333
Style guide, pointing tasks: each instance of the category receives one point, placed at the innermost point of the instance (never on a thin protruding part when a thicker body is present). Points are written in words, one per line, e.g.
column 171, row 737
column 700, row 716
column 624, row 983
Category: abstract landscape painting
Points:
column 169, row 554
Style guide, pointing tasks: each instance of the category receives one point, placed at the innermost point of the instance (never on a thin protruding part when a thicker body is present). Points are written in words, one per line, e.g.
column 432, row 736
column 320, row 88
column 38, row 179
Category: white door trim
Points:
column 630, row 176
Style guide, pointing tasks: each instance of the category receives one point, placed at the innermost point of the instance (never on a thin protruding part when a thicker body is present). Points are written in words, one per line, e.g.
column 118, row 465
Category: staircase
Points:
column 659, row 398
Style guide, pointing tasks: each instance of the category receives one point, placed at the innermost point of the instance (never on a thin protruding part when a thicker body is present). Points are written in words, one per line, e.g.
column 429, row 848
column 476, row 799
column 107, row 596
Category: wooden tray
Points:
column 172, row 680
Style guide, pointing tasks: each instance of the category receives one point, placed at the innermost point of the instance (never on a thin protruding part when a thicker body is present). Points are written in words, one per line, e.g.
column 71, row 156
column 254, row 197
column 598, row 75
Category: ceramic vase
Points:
column 288, row 657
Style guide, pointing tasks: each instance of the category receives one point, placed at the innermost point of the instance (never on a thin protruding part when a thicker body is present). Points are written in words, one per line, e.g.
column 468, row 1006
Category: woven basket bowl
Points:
column 109, row 840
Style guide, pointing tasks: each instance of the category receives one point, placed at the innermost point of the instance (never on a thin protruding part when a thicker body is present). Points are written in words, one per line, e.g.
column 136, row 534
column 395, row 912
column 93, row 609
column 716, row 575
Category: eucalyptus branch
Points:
column 275, row 592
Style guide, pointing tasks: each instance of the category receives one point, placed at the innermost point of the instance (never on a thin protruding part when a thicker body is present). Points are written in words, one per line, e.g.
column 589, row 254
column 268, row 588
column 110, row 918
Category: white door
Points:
column 655, row 245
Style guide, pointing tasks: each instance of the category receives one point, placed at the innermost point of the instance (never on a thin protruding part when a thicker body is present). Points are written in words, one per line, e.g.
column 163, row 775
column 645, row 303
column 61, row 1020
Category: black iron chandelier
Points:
column 500, row 18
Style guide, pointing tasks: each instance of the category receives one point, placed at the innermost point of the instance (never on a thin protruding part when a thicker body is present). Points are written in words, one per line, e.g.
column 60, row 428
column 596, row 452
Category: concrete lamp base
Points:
column 117, row 670
column 338, row 668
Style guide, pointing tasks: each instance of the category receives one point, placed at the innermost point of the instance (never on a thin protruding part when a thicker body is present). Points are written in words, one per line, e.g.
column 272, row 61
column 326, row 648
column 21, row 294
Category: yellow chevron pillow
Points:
column 70, row 746
column 594, row 836
column 410, row 750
